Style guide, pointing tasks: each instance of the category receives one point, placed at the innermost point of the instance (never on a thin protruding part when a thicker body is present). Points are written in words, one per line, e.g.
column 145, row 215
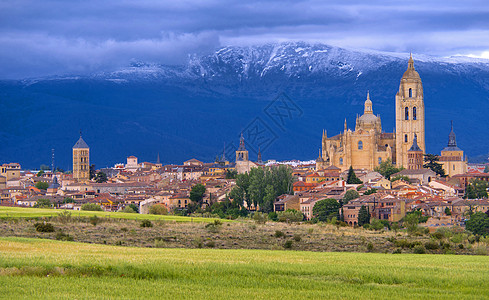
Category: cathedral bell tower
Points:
column 409, row 114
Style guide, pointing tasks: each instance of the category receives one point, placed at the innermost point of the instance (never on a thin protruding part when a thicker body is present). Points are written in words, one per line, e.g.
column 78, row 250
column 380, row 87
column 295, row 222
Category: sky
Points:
column 49, row 37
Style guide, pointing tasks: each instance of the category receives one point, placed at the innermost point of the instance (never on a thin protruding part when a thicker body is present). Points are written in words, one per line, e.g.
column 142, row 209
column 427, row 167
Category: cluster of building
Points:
column 364, row 148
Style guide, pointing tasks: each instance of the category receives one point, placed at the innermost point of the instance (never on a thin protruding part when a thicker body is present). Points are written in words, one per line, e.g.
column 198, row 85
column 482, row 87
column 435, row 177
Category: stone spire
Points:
column 415, row 146
column 410, row 62
column 259, row 156
column 346, row 127
column 452, row 141
column 241, row 143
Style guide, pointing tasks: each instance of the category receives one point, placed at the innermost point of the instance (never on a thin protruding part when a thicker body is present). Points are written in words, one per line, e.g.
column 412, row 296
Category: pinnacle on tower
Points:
column 452, row 139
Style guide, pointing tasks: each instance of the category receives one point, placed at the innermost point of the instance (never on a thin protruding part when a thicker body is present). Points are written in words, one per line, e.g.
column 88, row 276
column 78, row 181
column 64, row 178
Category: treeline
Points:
column 261, row 186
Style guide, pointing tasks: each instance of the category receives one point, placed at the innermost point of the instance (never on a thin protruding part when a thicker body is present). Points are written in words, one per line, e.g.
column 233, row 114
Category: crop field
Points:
column 33, row 268
column 22, row 212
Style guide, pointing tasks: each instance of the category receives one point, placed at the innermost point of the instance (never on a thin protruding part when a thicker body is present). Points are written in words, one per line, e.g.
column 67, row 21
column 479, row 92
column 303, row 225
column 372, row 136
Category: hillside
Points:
column 192, row 110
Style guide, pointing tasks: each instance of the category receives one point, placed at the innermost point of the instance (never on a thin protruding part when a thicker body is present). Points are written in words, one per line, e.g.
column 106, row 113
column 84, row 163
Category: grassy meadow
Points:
column 41, row 269
column 23, row 212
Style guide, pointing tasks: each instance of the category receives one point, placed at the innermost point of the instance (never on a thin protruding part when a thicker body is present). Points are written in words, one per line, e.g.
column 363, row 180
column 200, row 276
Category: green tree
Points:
column 91, row 207
column 326, row 209
column 370, row 192
column 290, row 215
column 363, row 216
column 134, row 207
column 350, row 195
column 197, row 193
column 400, row 177
column 129, row 210
column 478, row 224
column 476, row 189
column 352, row 177
column 447, row 211
column 42, row 185
column 386, row 168
column 431, row 162
column 231, row 174
column 43, row 203
column 40, row 173
column 101, row 177
column 68, row 200
column 92, row 172
column 158, row 209
column 486, row 169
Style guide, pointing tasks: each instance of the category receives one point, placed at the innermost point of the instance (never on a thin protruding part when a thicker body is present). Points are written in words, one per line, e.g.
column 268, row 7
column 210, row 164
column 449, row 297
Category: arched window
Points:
column 410, row 92
column 380, row 160
column 360, row 145
column 414, row 113
column 341, row 161
column 406, row 113
column 405, row 138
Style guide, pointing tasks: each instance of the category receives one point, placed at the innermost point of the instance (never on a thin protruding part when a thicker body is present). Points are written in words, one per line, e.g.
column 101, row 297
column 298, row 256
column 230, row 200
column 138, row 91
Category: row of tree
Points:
column 261, row 186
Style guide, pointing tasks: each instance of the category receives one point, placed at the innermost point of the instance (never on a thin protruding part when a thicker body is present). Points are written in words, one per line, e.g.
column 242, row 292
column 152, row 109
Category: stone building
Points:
column 81, row 161
column 452, row 157
column 415, row 156
column 368, row 145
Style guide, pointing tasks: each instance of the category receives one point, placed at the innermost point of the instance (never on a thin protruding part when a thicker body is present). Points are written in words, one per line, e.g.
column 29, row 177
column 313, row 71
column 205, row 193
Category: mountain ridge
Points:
column 192, row 110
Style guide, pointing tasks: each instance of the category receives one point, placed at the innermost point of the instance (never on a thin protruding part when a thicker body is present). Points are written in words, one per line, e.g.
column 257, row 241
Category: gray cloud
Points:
column 58, row 37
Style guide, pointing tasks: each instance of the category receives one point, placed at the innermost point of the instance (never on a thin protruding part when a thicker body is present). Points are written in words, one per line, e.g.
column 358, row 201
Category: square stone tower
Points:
column 81, row 161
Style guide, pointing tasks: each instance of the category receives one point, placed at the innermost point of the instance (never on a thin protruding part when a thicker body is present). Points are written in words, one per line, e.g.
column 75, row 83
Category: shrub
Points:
column 437, row 235
column 260, row 218
column 461, row 246
column 61, row 236
column 64, row 217
column 290, row 215
column 279, row 234
column 481, row 250
column 94, row 220
column 376, row 224
column 397, row 251
column 128, row 210
column 297, row 237
column 431, row 245
column 273, row 216
column 91, row 207
column 210, row 244
column 44, row 227
column 288, row 244
column 158, row 209
column 419, row 250
column 370, row 247
column 42, row 185
column 43, row 203
column 214, row 226
column 146, row 223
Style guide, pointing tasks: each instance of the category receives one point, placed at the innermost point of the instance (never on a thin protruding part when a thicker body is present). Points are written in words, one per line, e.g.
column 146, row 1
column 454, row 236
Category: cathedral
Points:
column 368, row 145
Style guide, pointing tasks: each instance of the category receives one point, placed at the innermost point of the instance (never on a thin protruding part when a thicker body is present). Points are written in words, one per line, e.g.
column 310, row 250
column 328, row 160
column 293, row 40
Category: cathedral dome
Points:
column 368, row 114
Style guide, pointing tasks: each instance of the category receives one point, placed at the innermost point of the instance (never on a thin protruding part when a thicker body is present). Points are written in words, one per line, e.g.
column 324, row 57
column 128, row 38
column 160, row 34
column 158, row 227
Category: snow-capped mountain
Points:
column 190, row 110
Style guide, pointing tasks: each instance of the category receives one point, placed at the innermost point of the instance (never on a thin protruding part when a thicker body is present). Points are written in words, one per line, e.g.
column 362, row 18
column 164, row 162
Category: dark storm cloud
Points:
column 56, row 37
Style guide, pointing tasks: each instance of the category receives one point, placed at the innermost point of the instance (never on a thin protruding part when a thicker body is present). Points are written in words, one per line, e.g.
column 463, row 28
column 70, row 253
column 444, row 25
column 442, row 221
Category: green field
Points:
column 32, row 268
column 22, row 212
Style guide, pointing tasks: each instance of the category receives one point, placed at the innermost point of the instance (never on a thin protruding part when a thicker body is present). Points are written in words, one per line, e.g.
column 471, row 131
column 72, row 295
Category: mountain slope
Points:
column 192, row 110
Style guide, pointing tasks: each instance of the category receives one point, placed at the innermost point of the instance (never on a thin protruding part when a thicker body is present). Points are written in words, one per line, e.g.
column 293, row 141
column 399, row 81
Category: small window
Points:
column 414, row 113
column 410, row 92
column 341, row 161
column 405, row 138
column 380, row 160
column 360, row 145
column 406, row 113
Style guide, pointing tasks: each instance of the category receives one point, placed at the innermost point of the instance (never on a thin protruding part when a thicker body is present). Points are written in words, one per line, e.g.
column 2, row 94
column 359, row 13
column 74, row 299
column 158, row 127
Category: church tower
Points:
column 409, row 114
column 415, row 156
column 242, row 153
column 81, row 161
